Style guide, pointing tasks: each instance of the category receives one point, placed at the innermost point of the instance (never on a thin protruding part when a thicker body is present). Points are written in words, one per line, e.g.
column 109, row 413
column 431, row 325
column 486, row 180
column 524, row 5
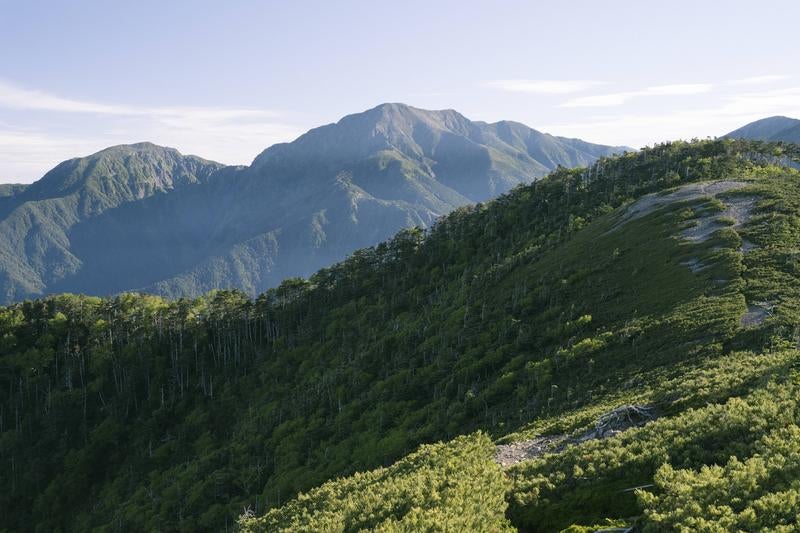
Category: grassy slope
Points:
column 454, row 486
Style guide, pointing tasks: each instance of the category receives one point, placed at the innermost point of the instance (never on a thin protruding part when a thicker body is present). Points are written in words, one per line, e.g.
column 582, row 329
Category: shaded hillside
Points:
column 36, row 223
column 769, row 129
column 145, row 217
column 791, row 135
column 10, row 189
column 532, row 316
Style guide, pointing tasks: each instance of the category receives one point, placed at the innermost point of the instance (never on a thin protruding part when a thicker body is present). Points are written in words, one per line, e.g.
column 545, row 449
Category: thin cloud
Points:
column 770, row 102
column 733, row 111
column 542, row 86
column 12, row 97
column 18, row 98
column 616, row 99
column 677, row 89
column 228, row 135
column 600, row 100
column 28, row 154
column 759, row 80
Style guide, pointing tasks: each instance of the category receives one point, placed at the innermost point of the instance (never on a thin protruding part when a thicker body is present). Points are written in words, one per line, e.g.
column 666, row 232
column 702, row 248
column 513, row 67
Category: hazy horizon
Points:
column 80, row 77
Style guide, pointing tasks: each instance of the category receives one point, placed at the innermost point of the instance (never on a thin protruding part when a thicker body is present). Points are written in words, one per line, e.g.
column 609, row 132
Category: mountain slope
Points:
column 146, row 217
column 665, row 280
column 36, row 223
column 10, row 189
column 769, row 129
column 790, row 135
column 475, row 159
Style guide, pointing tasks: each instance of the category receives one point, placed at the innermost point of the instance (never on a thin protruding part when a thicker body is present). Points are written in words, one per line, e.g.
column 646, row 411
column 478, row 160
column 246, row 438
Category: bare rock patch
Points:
column 607, row 425
column 651, row 202
column 756, row 314
column 516, row 452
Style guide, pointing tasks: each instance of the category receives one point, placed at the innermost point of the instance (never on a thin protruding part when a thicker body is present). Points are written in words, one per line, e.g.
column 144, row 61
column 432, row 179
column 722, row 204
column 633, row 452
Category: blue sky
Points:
column 226, row 79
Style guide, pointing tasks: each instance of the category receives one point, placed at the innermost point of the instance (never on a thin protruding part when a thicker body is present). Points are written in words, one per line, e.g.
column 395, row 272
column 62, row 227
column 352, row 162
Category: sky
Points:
column 224, row 80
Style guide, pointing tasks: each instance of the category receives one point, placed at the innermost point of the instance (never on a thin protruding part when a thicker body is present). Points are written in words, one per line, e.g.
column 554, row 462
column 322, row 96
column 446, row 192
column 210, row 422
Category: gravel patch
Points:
column 516, row 452
column 738, row 208
column 747, row 246
column 651, row 202
column 607, row 425
column 755, row 315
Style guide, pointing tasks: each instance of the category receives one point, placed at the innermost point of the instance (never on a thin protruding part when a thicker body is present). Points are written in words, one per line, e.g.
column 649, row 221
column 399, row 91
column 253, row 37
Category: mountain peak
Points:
column 397, row 123
column 394, row 118
column 387, row 126
column 390, row 107
column 775, row 119
column 138, row 148
column 401, row 109
column 125, row 170
column 142, row 146
column 777, row 128
column 421, row 133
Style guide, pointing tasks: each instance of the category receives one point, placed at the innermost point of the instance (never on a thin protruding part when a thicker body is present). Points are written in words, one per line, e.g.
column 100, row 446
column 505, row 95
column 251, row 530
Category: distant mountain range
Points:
column 145, row 217
column 783, row 129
